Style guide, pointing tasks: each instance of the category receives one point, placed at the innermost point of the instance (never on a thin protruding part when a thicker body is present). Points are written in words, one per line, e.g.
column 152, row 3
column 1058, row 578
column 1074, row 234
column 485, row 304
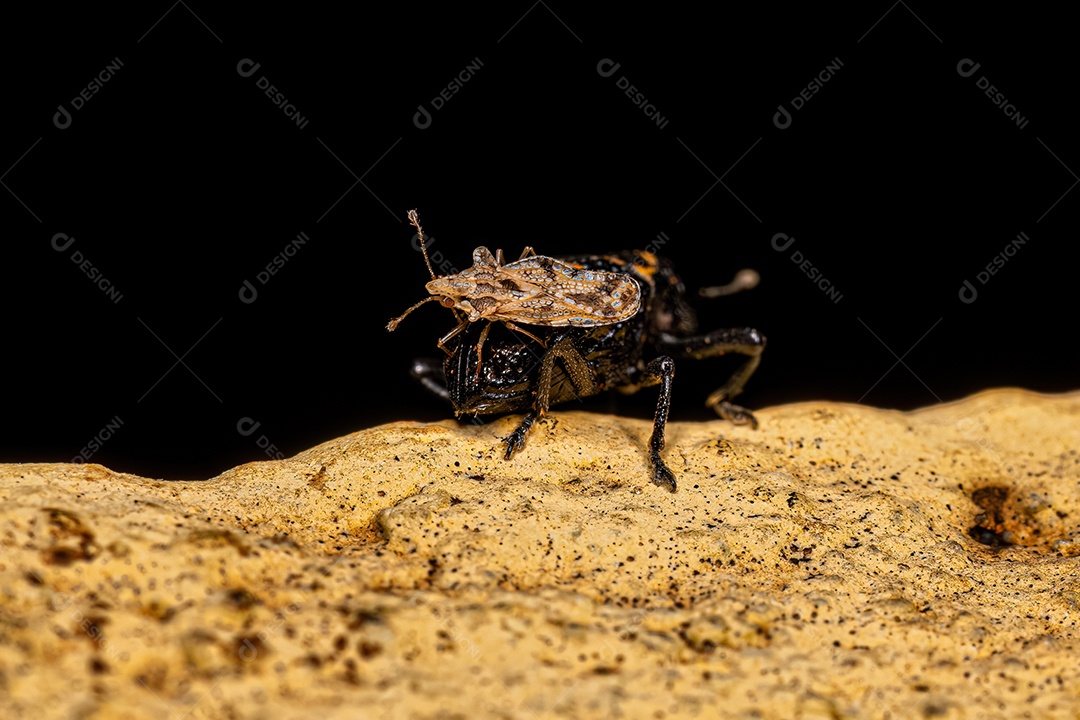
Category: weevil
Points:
column 575, row 350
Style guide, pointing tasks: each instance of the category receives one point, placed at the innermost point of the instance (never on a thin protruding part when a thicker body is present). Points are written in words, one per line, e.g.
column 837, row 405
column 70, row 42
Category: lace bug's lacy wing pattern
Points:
column 539, row 290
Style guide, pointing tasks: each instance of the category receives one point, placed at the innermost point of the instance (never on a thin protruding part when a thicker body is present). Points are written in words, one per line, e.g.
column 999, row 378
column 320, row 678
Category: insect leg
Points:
column 661, row 370
column 480, row 348
column 429, row 373
column 581, row 376
column 744, row 341
column 483, row 338
column 442, row 341
column 523, row 331
column 527, row 252
column 745, row 279
column 516, row 440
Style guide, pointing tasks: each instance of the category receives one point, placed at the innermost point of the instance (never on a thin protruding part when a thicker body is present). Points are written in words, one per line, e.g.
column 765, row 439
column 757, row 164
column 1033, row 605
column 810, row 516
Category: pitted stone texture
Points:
column 841, row 561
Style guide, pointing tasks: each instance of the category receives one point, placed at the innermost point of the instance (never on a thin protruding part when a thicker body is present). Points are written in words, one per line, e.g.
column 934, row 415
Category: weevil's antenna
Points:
column 743, row 280
column 415, row 220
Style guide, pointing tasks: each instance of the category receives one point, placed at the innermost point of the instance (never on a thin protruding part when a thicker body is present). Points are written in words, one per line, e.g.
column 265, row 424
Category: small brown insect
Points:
column 538, row 290
column 534, row 290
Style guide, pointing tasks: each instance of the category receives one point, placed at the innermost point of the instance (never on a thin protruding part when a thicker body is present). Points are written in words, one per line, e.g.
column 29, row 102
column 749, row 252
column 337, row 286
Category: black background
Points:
column 180, row 179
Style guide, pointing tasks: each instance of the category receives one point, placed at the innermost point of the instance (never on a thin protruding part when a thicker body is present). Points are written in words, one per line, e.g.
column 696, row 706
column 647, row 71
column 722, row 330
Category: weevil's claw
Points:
column 514, row 442
column 735, row 413
column 661, row 475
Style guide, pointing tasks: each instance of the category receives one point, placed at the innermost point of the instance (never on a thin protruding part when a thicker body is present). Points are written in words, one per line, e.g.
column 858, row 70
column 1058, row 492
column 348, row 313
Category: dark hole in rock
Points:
column 989, row 527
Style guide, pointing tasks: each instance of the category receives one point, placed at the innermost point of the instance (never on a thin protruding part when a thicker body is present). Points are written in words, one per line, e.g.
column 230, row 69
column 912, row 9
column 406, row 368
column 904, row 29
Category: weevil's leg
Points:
column 442, row 341
column 744, row 341
column 745, row 279
column 429, row 373
column 516, row 440
column 580, row 375
column 661, row 370
column 527, row 252
column 523, row 331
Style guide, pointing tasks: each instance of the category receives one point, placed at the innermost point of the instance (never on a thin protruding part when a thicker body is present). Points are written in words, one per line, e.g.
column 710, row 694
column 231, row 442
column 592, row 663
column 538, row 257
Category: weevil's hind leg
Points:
column 661, row 370
column 744, row 341
column 429, row 373
column 580, row 376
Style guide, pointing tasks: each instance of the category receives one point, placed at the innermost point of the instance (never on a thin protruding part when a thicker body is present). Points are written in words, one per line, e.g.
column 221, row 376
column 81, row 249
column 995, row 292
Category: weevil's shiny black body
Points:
column 517, row 374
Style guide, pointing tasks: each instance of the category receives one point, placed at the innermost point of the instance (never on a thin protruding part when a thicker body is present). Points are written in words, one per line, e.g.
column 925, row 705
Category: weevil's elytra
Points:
column 595, row 323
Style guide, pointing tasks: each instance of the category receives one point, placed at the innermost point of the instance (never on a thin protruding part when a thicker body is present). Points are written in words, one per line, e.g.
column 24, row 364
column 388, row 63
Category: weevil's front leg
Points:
column 661, row 370
column 581, row 376
column 744, row 341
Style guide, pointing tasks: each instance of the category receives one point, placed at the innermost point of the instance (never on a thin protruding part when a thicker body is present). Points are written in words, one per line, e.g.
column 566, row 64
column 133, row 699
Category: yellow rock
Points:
column 841, row 561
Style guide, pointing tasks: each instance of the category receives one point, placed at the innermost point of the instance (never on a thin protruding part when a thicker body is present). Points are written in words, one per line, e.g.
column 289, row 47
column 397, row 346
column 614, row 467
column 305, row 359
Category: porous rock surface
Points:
column 840, row 561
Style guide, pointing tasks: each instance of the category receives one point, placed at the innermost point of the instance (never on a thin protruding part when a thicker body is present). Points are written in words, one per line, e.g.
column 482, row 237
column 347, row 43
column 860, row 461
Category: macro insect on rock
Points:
column 556, row 329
